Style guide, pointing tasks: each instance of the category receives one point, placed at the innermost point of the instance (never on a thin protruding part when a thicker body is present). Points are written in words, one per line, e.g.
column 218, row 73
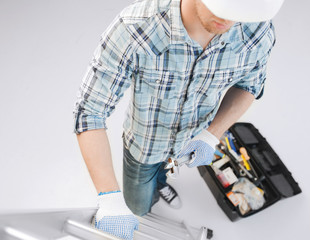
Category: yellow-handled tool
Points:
column 244, row 152
column 245, row 157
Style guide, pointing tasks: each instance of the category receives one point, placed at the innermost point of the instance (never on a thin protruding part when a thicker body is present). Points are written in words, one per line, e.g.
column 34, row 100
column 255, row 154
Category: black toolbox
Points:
column 276, row 180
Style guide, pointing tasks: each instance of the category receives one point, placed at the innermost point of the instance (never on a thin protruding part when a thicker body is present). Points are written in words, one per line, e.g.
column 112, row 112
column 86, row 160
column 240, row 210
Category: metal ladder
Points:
column 55, row 224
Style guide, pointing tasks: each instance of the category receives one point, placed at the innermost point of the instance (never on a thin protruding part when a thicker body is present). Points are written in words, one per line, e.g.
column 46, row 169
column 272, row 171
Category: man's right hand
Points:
column 114, row 217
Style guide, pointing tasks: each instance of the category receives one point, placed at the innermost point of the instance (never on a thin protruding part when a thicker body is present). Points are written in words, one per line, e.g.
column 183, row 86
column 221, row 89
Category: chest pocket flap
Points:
column 225, row 78
column 158, row 84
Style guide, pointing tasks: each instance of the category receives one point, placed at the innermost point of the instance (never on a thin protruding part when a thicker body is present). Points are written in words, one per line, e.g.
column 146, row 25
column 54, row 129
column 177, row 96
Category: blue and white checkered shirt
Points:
column 176, row 85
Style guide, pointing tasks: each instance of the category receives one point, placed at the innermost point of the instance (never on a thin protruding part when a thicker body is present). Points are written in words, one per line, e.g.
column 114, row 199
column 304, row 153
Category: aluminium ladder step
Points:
column 54, row 224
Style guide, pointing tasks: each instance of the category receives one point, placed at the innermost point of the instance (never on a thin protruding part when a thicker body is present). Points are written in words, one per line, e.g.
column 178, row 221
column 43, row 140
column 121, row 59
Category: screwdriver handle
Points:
column 244, row 152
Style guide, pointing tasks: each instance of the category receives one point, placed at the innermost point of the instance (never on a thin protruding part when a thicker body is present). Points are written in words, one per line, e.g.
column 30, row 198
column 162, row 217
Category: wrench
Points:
column 174, row 165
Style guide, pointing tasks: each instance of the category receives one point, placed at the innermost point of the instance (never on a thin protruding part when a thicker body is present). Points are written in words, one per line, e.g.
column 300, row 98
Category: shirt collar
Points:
column 178, row 31
column 180, row 35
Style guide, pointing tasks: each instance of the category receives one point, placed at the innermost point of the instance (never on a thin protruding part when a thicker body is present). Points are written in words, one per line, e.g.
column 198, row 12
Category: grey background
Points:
column 45, row 47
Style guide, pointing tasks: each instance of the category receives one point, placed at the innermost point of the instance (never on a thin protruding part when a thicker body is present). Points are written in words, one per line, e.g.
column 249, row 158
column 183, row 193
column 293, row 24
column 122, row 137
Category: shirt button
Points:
column 223, row 43
column 230, row 79
column 158, row 81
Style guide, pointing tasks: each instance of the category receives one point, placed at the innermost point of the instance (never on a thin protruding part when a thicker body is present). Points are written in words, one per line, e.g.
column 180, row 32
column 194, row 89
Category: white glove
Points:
column 203, row 148
column 114, row 217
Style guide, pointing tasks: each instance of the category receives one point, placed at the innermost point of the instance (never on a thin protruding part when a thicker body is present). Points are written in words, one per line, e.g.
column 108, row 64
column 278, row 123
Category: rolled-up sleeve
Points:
column 106, row 79
column 254, row 80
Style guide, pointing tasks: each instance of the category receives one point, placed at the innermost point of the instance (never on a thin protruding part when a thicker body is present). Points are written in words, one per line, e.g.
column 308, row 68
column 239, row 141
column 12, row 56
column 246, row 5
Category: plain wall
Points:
column 45, row 47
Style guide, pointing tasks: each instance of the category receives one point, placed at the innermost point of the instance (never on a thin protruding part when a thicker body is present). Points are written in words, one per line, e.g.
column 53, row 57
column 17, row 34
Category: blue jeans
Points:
column 141, row 183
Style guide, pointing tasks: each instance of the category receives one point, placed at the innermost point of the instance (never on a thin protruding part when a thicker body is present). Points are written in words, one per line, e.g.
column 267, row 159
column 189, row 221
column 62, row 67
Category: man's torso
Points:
column 178, row 85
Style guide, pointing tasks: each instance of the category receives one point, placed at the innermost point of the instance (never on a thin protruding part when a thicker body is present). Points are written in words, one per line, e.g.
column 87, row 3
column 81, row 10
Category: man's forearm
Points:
column 234, row 105
column 95, row 148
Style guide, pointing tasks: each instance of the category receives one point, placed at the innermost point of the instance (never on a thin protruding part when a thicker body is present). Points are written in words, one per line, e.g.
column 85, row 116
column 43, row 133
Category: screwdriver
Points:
column 244, row 153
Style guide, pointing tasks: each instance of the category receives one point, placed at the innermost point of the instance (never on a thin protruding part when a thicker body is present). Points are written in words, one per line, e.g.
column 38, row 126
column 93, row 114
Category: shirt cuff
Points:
column 88, row 122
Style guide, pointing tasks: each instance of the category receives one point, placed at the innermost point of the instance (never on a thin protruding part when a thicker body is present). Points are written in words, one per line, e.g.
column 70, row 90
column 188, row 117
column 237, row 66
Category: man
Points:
column 179, row 57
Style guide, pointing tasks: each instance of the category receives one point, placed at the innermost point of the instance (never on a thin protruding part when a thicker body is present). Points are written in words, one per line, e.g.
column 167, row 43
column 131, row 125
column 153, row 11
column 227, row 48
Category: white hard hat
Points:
column 244, row 10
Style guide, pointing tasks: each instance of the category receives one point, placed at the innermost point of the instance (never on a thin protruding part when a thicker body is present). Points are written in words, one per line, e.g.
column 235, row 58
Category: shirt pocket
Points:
column 223, row 79
column 157, row 84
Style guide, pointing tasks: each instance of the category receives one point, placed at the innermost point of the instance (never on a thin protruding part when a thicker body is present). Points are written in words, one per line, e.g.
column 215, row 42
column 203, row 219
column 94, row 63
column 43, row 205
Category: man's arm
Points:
column 95, row 148
column 113, row 213
column 235, row 103
column 239, row 98
column 104, row 84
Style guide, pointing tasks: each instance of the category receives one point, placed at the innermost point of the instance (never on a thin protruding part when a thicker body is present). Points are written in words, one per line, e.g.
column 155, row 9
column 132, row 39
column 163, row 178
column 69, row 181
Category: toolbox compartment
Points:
column 277, row 183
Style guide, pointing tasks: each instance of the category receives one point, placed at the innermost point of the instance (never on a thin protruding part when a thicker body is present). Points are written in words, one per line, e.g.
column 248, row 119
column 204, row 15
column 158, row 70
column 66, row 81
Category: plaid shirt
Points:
column 176, row 85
